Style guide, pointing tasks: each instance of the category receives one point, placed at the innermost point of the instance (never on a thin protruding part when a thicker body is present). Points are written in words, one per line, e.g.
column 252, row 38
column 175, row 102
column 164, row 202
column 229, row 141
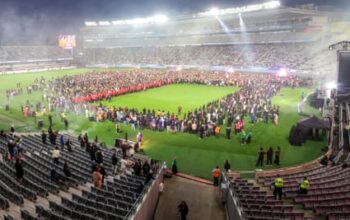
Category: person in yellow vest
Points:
column 278, row 186
column 304, row 186
column 216, row 175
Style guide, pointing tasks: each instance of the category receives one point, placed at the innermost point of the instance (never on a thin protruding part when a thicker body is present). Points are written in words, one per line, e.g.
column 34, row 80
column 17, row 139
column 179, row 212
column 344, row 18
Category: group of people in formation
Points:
column 270, row 154
column 252, row 102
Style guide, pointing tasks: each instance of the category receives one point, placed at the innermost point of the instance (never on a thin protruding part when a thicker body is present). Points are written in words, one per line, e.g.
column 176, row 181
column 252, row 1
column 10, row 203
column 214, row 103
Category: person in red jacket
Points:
column 216, row 175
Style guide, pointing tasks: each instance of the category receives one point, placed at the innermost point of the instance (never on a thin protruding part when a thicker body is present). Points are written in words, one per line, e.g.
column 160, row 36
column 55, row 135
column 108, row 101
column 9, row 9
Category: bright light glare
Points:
column 331, row 85
column 103, row 23
column 160, row 19
column 282, row 72
column 231, row 70
column 214, row 11
column 90, row 23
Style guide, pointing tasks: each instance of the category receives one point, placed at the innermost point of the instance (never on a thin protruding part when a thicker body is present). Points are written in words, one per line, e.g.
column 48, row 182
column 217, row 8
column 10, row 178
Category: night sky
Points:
column 25, row 21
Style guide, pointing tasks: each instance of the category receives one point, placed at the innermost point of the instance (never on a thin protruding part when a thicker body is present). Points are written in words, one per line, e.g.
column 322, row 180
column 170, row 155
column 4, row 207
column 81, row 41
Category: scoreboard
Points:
column 67, row 41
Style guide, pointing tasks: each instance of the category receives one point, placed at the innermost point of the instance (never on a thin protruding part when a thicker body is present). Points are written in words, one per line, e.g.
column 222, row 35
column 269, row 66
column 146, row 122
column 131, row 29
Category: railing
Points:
column 234, row 209
column 142, row 209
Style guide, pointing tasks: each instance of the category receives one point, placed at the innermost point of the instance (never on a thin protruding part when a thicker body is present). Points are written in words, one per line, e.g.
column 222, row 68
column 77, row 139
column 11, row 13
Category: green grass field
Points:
column 195, row 156
column 168, row 98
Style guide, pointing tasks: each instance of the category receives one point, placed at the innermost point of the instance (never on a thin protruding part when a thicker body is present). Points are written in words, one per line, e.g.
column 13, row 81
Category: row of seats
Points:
column 329, row 194
column 258, row 204
column 115, row 201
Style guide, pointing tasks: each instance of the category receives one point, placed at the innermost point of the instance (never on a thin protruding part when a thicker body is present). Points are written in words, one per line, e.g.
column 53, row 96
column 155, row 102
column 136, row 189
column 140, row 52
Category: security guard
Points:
column 304, row 186
column 278, row 187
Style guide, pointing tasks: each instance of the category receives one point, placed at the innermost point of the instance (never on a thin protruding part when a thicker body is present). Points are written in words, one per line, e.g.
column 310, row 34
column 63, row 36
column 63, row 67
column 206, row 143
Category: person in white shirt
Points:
column 56, row 155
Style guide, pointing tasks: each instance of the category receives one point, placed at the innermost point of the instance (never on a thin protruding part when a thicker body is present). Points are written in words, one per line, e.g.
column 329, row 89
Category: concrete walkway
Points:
column 203, row 200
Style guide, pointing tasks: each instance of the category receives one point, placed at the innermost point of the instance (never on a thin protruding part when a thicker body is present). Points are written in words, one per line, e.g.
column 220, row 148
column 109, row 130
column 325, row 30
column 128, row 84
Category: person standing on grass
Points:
column 277, row 156
column 228, row 131
column 261, row 154
column 179, row 110
column 269, row 156
column 216, row 175
column 174, row 166
column 227, row 166
column 50, row 119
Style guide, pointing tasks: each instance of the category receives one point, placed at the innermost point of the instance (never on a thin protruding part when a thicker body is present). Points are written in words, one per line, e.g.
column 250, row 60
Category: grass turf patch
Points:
column 168, row 98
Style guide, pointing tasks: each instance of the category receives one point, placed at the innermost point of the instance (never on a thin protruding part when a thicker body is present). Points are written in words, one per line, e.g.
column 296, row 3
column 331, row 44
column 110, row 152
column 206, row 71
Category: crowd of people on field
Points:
column 251, row 101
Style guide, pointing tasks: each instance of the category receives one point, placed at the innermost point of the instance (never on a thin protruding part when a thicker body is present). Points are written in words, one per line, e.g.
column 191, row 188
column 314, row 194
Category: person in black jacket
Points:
column 19, row 170
column 269, row 156
column 99, row 156
column 66, row 169
column 115, row 161
column 261, row 154
column 183, row 210
column 43, row 137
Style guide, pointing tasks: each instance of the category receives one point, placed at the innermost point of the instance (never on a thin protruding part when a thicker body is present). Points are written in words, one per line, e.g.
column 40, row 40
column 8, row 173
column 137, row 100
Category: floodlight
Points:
column 160, row 19
column 214, row 11
column 90, row 23
column 331, row 85
column 272, row 4
column 103, row 23
column 282, row 72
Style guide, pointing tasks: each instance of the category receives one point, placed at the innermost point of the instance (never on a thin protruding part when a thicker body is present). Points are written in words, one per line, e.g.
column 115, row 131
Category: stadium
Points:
column 231, row 113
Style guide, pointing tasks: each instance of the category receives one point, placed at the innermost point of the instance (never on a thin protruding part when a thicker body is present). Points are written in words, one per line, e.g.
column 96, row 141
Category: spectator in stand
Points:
column 278, row 186
column 99, row 156
column 277, row 156
column 146, row 168
column 43, row 137
column 115, row 161
column 216, row 175
column 149, row 176
column 19, row 169
column 137, row 168
column 261, row 154
column 227, row 166
column 69, row 145
column 183, row 210
column 103, row 173
column 269, row 156
column 304, row 186
column 66, row 169
column 97, row 177
column 56, row 155
column 62, row 141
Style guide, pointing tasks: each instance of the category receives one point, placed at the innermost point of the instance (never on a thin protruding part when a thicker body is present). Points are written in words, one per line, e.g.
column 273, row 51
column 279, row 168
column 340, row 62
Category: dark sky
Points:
column 26, row 20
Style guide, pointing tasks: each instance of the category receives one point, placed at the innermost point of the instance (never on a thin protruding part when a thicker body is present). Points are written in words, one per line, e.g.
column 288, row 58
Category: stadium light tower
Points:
column 160, row 19
column 214, row 11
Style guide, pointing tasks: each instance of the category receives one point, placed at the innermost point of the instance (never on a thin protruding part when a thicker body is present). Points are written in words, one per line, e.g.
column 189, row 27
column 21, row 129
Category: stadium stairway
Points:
column 308, row 214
